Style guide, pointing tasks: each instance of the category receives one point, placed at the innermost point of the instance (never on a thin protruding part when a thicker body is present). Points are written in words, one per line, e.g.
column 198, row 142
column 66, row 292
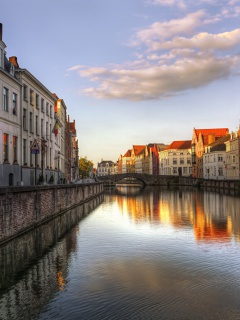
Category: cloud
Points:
column 177, row 3
column 156, row 82
column 176, row 59
column 204, row 40
column 164, row 30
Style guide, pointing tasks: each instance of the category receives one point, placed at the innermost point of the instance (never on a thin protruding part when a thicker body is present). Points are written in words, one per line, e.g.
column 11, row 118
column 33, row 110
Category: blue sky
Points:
column 132, row 71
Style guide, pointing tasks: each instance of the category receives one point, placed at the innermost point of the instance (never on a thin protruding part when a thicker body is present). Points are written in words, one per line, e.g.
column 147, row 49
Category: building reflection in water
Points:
column 212, row 216
column 34, row 267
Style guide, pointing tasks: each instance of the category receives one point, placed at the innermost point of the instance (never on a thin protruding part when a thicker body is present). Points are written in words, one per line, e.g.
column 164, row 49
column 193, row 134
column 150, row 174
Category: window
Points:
column 50, row 132
column 37, row 101
column 233, row 159
column 24, row 119
column 47, row 108
column 31, row 97
column 47, row 130
column 174, row 160
column 5, row 147
column 220, row 171
column 188, row 161
column 25, row 92
column 185, row 170
column 174, row 170
column 220, row 158
column 41, row 127
column 31, row 122
column 36, row 124
column 51, row 111
column 24, row 151
column 31, row 155
column 5, row 99
column 181, row 161
column 193, row 154
column 42, row 105
column 14, row 149
column 50, row 157
column 14, row 103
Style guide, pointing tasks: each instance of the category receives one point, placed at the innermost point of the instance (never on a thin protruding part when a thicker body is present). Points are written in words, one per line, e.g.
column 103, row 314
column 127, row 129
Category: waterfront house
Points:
column 232, row 156
column 176, row 159
column 214, row 159
column 200, row 139
column 137, row 155
column 105, row 167
column 126, row 162
column 10, row 120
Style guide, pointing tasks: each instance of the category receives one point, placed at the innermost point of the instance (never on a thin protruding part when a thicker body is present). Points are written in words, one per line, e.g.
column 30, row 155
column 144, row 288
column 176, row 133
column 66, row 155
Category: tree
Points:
column 85, row 167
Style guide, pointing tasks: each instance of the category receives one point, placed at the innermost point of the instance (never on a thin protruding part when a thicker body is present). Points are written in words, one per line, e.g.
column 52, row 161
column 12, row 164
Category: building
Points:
column 106, row 167
column 10, row 119
column 232, row 156
column 214, row 159
column 200, row 139
column 126, row 162
column 176, row 159
column 33, row 130
column 137, row 156
column 38, row 124
column 75, row 151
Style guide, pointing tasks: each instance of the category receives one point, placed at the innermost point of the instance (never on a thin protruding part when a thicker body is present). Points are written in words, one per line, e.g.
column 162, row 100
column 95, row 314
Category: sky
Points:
column 131, row 72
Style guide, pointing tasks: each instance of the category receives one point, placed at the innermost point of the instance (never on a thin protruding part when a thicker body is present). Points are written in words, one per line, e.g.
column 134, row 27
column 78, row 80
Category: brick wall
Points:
column 22, row 208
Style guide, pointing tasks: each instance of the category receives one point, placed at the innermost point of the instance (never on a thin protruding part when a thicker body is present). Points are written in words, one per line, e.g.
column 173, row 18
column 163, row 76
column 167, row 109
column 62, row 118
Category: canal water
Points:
column 131, row 253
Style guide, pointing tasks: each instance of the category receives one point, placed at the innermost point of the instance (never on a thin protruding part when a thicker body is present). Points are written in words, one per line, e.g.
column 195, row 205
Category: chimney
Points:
column 1, row 31
column 68, row 119
column 13, row 60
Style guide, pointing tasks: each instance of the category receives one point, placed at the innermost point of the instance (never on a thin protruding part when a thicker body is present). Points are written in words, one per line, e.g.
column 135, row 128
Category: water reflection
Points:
column 137, row 256
column 34, row 266
column 212, row 216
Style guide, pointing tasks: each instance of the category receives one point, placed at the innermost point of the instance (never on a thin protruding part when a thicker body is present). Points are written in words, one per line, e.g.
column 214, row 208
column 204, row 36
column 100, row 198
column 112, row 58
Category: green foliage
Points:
column 85, row 167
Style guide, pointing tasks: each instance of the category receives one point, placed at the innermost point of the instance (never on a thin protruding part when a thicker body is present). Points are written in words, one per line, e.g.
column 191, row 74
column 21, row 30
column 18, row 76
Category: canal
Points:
column 132, row 253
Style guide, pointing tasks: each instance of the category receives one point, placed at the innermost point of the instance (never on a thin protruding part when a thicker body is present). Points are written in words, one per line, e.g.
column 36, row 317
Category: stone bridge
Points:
column 145, row 179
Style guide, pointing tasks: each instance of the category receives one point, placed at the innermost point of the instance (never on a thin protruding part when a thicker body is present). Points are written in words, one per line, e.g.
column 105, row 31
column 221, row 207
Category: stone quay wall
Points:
column 23, row 208
column 231, row 185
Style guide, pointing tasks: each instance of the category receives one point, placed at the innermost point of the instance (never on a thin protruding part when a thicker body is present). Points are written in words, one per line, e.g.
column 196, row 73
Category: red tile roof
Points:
column 216, row 133
column 185, row 144
column 138, row 149
column 127, row 154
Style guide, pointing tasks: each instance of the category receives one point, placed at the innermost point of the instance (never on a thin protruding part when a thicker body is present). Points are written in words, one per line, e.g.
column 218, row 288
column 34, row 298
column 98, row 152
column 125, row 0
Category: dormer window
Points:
column 12, row 70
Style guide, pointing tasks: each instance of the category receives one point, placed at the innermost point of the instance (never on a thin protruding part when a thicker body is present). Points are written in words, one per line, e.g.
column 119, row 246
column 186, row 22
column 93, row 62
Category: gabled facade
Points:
column 137, row 155
column 175, row 160
column 232, row 156
column 200, row 139
column 126, row 162
column 214, row 159
column 120, row 164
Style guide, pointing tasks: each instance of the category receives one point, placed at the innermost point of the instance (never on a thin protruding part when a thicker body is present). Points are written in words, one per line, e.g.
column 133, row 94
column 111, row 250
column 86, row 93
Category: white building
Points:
column 176, row 159
column 10, row 121
column 105, row 168
column 38, row 122
column 232, row 156
column 214, row 159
